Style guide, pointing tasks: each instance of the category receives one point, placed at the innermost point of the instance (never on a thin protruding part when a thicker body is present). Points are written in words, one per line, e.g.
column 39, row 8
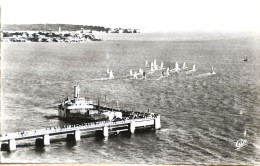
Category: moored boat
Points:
column 78, row 110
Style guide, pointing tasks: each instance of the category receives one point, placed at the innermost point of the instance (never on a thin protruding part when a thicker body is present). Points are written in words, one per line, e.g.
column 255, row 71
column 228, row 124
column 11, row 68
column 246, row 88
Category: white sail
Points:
column 151, row 64
column 168, row 71
column 155, row 65
column 135, row 75
column 161, row 65
column 146, row 63
column 111, row 76
column 131, row 72
column 140, row 70
column 212, row 70
column 108, row 70
column 176, row 66
column 192, row 70
column 193, row 67
column 244, row 133
column 183, row 66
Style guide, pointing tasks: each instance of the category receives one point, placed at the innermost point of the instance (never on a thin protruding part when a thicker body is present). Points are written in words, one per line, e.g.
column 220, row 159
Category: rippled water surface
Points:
column 202, row 116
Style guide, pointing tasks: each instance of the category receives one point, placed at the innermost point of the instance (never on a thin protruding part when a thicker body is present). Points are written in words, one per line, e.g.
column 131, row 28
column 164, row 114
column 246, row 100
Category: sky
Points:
column 147, row 15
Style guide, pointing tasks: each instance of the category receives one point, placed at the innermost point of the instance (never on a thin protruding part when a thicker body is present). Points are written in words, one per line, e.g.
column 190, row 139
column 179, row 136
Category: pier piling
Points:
column 105, row 131
column 42, row 136
column 131, row 127
column 12, row 144
column 74, row 137
column 44, row 141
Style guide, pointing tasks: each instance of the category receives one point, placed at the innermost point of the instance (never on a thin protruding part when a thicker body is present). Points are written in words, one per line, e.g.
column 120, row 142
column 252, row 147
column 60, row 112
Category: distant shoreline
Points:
column 66, row 27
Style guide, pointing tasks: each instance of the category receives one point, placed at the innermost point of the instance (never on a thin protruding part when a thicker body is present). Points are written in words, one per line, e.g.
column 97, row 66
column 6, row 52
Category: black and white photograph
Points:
column 130, row 82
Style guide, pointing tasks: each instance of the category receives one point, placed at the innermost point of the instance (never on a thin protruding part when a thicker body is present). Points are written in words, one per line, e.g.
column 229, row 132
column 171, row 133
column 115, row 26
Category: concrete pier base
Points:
column 157, row 122
column 74, row 137
column 131, row 127
column 105, row 131
column 4, row 147
column 77, row 135
column 12, row 144
column 44, row 141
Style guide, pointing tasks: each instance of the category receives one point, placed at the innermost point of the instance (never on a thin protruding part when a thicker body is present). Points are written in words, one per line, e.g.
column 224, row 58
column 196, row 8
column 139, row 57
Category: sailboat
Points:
column 192, row 70
column 167, row 71
column 108, row 70
column 140, row 71
column 161, row 66
column 176, row 68
column 144, row 76
column 135, row 75
column 163, row 73
column 152, row 70
column 131, row 72
column 183, row 66
column 155, row 65
column 146, row 64
column 244, row 133
column 212, row 71
column 111, row 76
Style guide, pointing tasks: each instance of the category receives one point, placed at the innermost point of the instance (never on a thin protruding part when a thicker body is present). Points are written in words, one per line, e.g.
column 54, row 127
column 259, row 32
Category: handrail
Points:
column 67, row 128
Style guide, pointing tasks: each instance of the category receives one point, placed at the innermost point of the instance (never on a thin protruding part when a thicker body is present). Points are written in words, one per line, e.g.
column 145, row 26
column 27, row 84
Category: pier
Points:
column 42, row 136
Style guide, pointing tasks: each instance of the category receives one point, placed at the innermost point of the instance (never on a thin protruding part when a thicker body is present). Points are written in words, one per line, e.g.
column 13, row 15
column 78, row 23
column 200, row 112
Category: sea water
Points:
column 202, row 115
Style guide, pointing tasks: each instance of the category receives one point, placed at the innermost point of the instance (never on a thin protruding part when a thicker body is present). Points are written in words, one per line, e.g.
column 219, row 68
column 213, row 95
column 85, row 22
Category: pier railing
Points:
column 67, row 128
column 73, row 131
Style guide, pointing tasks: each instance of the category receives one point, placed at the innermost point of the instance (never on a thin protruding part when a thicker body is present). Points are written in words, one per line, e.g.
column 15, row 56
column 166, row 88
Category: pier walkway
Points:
column 73, row 131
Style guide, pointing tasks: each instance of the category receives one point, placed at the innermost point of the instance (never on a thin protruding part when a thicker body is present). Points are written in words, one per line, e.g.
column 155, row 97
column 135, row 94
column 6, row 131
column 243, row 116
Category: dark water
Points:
column 202, row 116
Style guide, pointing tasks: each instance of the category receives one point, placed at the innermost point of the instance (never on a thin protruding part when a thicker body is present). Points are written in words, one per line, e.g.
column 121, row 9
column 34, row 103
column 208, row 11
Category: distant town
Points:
column 47, row 33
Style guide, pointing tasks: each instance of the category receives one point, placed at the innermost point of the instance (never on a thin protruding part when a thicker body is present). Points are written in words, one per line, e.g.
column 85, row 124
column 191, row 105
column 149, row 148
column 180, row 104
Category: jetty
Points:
column 74, row 131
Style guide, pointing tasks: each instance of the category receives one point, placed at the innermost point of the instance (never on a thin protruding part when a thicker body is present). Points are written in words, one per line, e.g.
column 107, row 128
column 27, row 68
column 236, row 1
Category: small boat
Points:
column 155, row 65
column 212, row 71
column 131, row 72
column 140, row 71
column 146, row 64
column 161, row 65
column 176, row 68
column 192, row 70
column 135, row 75
column 144, row 76
column 152, row 70
column 246, row 59
column 111, row 76
column 163, row 73
column 244, row 133
column 167, row 71
column 183, row 66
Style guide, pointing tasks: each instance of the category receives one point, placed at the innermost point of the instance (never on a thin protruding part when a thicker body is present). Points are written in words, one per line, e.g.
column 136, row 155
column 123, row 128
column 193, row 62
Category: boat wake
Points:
column 206, row 74
column 103, row 79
